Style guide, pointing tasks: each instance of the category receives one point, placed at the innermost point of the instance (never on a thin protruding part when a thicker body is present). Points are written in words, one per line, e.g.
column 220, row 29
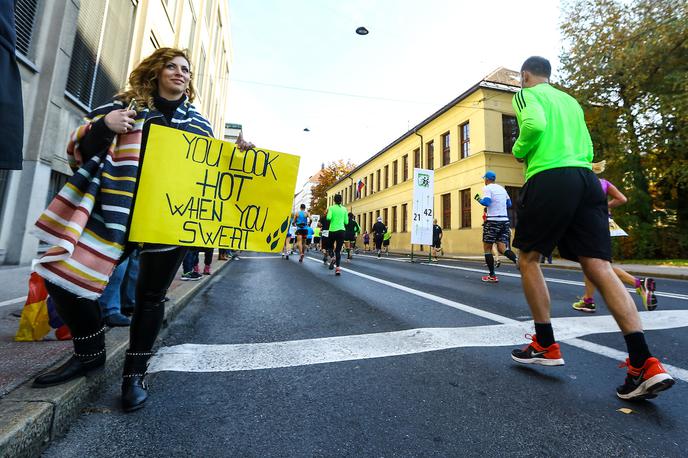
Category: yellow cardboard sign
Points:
column 199, row 191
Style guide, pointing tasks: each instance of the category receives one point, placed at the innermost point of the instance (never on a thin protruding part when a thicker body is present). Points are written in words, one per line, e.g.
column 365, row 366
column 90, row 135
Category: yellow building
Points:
column 470, row 135
column 202, row 27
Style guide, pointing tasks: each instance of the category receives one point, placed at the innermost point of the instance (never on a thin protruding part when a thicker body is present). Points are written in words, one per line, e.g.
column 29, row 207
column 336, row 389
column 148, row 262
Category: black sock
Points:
column 511, row 255
column 489, row 259
column 544, row 333
column 638, row 352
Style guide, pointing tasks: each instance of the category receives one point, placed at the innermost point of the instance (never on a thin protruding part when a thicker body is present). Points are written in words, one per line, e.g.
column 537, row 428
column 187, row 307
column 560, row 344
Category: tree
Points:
column 626, row 61
column 332, row 173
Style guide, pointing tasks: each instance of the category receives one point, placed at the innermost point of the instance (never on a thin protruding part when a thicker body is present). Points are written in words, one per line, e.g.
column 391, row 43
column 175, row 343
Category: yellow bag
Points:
column 35, row 322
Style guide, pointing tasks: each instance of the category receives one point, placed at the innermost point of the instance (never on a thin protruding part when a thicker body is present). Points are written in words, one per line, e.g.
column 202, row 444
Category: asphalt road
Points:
column 468, row 399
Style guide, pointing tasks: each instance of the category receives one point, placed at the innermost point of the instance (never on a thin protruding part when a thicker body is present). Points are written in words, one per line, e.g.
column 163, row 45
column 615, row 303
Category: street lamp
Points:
column 362, row 31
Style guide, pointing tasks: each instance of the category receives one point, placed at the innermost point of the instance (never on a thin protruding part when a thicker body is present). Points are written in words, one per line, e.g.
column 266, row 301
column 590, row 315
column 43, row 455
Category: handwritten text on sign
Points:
column 199, row 191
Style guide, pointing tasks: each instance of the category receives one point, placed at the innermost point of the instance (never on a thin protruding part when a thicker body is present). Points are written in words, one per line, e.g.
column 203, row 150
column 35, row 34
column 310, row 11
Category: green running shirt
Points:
column 552, row 127
column 337, row 215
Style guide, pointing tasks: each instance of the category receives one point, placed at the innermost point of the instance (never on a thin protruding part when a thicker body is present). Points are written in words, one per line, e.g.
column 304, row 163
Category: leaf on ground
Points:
column 625, row 410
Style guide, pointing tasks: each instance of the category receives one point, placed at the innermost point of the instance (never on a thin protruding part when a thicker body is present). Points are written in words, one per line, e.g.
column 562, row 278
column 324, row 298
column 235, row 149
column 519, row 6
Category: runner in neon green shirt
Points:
column 338, row 216
column 562, row 204
column 553, row 131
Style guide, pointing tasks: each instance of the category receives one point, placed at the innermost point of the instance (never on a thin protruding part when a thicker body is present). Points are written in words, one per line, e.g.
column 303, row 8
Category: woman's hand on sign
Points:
column 242, row 144
column 120, row 121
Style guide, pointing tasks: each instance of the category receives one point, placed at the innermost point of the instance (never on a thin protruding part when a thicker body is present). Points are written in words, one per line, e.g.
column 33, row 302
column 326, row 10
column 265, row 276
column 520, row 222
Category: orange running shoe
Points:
column 644, row 382
column 535, row 353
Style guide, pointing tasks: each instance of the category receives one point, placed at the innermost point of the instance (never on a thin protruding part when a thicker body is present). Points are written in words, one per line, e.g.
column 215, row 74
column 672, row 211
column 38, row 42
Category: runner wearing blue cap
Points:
column 496, row 229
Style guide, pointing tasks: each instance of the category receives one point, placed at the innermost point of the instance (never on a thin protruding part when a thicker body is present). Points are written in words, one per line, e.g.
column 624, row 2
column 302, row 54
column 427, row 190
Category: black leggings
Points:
column 156, row 272
column 337, row 239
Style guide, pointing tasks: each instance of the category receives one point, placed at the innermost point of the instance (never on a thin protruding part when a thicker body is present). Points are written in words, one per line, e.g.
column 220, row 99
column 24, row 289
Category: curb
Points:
column 30, row 418
column 638, row 272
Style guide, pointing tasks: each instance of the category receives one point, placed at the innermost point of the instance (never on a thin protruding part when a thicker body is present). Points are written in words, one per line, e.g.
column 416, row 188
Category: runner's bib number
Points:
column 325, row 233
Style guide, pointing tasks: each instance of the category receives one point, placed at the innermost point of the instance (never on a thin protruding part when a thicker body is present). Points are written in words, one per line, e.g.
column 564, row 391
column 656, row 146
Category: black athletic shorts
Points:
column 336, row 239
column 378, row 241
column 564, row 207
column 350, row 237
column 302, row 232
column 316, row 240
column 437, row 244
column 496, row 232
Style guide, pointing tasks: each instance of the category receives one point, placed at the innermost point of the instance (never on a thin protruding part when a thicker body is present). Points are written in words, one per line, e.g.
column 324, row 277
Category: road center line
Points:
column 584, row 345
column 683, row 297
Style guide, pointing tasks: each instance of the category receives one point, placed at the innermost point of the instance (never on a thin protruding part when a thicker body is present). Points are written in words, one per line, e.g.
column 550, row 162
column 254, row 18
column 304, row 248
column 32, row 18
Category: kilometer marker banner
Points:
column 199, row 191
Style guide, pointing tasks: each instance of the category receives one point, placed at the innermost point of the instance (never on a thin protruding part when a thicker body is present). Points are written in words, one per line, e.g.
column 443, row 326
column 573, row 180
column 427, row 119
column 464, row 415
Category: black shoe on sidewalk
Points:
column 117, row 320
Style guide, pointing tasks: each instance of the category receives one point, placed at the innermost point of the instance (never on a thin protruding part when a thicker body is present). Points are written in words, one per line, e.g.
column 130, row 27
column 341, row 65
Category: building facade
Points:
column 305, row 194
column 75, row 55
column 460, row 142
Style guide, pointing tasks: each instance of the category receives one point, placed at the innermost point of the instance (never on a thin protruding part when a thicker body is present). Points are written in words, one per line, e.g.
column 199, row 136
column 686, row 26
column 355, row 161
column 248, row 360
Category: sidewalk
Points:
column 31, row 418
column 641, row 270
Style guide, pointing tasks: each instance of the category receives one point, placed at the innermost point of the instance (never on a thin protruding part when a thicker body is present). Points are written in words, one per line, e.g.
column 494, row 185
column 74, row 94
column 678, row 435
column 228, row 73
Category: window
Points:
column 404, row 217
column 386, row 176
column 513, row 192
column 4, row 181
column 218, row 35
column 25, row 19
column 364, row 227
column 200, row 71
column 377, row 184
column 404, row 167
column 445, row 149
column 446, row 211
column 377, row 215
column 208, row 11
column 465, row 140
column 430, row 163
column 365, row 186
column 394, row 172
column 192, row 30
column 394, row 219
column 465, row 195
column 417, row 159
column 509, row 132
column 97, row 69
column 57, row 182
column 370, row 220
column 385, row 215
column 171, row 9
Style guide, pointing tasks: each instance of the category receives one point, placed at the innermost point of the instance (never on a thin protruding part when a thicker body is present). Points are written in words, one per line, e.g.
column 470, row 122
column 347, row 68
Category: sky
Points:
column 298, row 64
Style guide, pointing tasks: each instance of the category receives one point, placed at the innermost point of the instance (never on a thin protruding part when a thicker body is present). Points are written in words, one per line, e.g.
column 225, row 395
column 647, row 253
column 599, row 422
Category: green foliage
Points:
column 332, row 173
column 626, row 61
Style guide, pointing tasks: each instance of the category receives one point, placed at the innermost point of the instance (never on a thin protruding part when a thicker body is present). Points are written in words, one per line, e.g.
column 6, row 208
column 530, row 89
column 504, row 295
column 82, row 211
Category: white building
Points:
column 304, row 195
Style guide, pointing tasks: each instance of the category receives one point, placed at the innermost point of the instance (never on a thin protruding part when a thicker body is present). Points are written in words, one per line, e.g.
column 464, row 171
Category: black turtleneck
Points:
column 167, row 107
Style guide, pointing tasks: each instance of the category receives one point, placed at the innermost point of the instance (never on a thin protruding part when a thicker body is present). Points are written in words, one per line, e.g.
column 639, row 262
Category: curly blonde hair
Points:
column 143, row 80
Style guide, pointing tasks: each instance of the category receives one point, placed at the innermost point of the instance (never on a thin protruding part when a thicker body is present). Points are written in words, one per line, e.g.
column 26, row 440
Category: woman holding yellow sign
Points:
column 88, row 222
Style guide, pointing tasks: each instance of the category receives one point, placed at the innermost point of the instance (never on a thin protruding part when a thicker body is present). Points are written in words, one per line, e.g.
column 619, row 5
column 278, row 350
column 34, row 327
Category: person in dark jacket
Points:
column 11, row 105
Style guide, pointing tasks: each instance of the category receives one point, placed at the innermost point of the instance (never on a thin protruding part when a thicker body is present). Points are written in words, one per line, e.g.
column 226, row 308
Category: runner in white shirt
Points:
column 496, row 228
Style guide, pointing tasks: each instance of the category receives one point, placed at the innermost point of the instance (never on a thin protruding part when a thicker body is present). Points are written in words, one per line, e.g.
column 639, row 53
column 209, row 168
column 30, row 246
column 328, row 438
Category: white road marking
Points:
column 548, row 279
column 259, row 257
column 16, row 300
column 271, row 355
column 219, row 358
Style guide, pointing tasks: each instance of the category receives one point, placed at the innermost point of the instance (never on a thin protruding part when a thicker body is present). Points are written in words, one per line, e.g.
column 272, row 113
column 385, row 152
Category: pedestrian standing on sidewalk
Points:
column 190, row 270
column 107, row 151
column 366, row 241
column 496, row 228
column 111, row 299
column 562, row 204
column 337, row 216
column 11, row 106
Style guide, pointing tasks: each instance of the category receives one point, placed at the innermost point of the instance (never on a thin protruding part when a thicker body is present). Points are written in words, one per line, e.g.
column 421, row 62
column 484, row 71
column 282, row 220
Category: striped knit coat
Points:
column 87, row 222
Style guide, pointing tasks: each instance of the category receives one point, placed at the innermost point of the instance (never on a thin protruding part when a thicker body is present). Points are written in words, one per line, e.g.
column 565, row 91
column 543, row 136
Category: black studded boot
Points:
column 134, row 387
column 89, row 355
